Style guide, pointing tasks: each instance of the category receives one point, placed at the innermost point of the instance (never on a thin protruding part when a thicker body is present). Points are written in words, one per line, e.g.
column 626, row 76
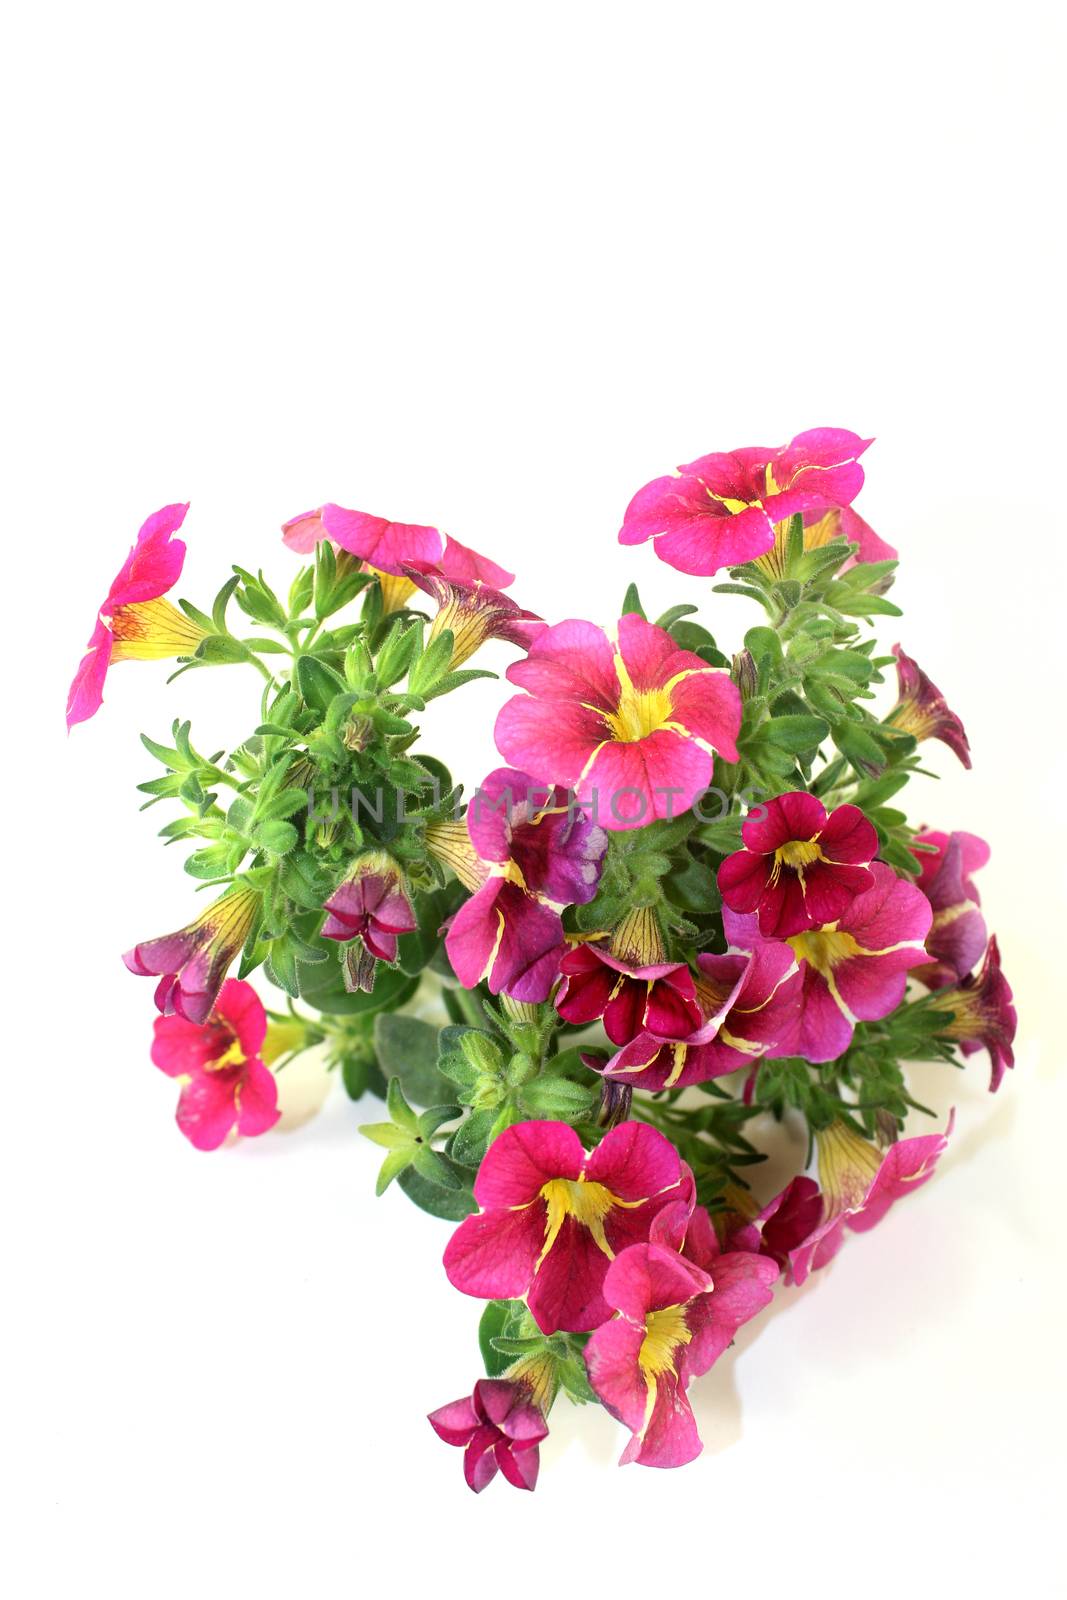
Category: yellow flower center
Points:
column 797, row 853
column 151, row 630
column 234, row 1056
column 588, row 1203
column 825, row 948
column 665, row 1332
column 639, row 713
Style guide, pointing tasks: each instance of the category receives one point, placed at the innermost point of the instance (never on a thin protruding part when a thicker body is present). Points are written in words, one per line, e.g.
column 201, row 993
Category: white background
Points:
column 493, row 267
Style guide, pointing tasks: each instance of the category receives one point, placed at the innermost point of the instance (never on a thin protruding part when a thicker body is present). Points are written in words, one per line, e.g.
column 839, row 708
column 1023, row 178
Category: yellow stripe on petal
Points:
column 152, row 630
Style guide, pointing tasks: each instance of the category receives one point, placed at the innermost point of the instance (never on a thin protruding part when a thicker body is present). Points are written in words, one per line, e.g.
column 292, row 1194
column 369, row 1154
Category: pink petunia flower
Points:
column 370, row 905
column 957, row 938
column 473, row 612
column 783, row 1227
column 660, row 998
column 677, row 1313
column 859, row 1185
column 852, row 970
column 134, row 623
column 193, row 962
column 799, row 868
column 748, row 1005
column 386, row 548
column 553, row 1218
column 631, row 724
column 499, row 1429
column 526, row 852
column 225, row 1083
column 981, row 1015
column 923, row 711
column 721, row 510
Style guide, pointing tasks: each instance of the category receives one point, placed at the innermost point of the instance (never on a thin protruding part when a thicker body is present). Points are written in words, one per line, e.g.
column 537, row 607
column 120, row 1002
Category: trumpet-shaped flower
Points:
column 957, row 938
column 527, row 852
column 499, row 1429
column 859, row 1185
column 823, row 528
column 225, row 1085
column 721, row 510
column 800, row 868
column 387, row 548
column 981, row 1015
column 134, row 622
column 677, row 1313
column 748, row 1004
column 659, row 999
column 192, row 963
column 370, row 905
column 554, row 1218
column 632, row 724
column 923, row 711
column 853, row 969
column 473, row 612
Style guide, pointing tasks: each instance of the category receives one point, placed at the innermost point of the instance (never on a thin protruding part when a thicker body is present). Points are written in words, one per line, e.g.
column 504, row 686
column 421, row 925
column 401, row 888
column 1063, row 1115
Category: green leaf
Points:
column 494, row 1320
column 631, row 603
column 407, row 1049
column 318, row 683
column 796, row 733
column 450, row 1204
column 557, row 1098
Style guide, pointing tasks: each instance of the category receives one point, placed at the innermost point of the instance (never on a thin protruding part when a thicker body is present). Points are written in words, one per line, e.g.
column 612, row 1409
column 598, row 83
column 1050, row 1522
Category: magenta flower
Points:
column 134, row 623
column 499, row 1428
column 386, row 548
column 981, row 1015
column 852, row 970
column 720, row 511
column 192, row 963
column 473, row 612
column 370, row 905
column 859, row 1185
column 799, row 867
column 527, row 852
column 553, row 1218
column 748, row 1005
column 660, row 998
column 631, row 726
column 225, row 1084
column 957, row 938
column 784, row 1227
column 923, row 711
column 677, row 1313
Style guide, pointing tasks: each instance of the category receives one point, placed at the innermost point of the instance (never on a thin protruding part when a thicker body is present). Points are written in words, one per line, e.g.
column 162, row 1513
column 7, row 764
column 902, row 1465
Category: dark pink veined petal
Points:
column 455, row 1423
column 182, row 1049
column 826, row 893
column 743, row 880
column 906, row 1166
column 492, row 1255
column 615, row 1373
column 873, row 986
column 743, row 1286
column 474, row 933
column 891, row 912
column 165, row 955
column 257, row 1100
column 649, row 655
column 823, row 1031
column 155, row 562
column 649, row 1277
column 461, row 564
column 479, row 1458
column 584, row 994
column 240, row 1006
column 707, row 706
column 797, row 815
column 518, row 1464
column 389, row 546
column 529, row 945
column 503, row 800
column 551, row 738
column 634, row 1161
column 206, row 1110
column 567, row 1290
column 849, row 837
column 507, row 1405
column 560, row 855
column 571, row 660
column 670, row 1437
column 631, row 785
column 87, row 690
column 523, row 1158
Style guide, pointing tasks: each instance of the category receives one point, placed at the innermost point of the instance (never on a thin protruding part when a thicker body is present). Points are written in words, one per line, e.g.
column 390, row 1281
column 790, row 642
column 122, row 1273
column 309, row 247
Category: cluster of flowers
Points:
column 804, row 928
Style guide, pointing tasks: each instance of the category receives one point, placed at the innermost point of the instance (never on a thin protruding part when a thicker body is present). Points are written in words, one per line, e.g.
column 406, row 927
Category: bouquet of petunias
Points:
column 687, row 897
